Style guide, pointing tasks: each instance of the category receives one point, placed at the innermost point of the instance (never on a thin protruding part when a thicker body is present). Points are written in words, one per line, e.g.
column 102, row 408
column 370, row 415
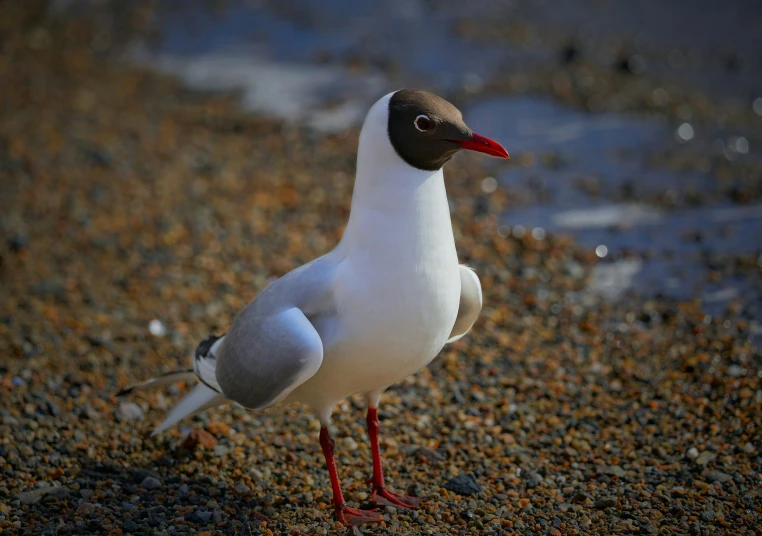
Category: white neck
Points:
column 391, row 198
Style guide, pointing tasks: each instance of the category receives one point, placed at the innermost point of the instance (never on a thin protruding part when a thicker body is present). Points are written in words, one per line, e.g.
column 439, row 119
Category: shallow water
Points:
column 674, row 247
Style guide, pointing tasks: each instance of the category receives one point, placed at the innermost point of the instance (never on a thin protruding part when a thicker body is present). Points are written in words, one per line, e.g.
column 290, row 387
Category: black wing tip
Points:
column 125, row 391
column 206, row 344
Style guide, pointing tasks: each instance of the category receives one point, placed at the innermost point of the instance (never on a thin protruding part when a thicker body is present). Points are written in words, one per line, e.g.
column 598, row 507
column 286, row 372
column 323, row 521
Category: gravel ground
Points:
column 136, row 217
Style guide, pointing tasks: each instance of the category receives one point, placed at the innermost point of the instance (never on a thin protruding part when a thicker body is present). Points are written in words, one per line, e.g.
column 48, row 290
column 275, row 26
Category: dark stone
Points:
column 463, row 484
column 579, row 497
column 138, row 475
column 605, row 502
column 18, row 243
column 52, row 408
column 429, row 455
column 97, row 157
column 530, row 478
column 569, row 54
column 150, row 482
column 719, row 476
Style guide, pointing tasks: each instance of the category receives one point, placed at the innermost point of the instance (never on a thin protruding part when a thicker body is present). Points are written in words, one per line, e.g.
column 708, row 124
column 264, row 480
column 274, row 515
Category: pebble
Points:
column 605, row 502
column 463, row 484
column 531, row 478
column 204, row 516
column 35, row 495
column 130, row 411
column 199, row 438
column 150, row 482
column 85, row 509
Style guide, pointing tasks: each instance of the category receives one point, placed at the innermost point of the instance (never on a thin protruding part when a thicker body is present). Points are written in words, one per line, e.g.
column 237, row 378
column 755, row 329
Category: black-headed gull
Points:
column 376, row 309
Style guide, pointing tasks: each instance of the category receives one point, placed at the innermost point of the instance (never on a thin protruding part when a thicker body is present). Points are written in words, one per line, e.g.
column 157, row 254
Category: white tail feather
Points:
column 199, row 398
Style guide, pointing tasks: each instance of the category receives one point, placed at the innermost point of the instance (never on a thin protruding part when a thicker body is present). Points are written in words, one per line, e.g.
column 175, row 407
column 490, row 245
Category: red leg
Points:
column 348, row 516
column 382, row 496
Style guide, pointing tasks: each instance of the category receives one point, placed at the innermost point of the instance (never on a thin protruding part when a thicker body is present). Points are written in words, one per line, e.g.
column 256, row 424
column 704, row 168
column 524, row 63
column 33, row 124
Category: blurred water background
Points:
column 662, row 184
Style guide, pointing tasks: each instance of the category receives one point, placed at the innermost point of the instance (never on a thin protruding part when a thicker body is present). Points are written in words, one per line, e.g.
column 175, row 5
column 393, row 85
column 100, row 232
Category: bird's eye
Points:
column 423, row 123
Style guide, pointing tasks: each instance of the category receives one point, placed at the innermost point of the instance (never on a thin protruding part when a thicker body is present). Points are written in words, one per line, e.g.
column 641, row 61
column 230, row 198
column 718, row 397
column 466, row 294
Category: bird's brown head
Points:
column 426, row 130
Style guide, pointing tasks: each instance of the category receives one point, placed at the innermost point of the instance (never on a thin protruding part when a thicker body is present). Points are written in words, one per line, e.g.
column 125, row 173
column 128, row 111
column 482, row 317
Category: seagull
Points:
column 376, row 309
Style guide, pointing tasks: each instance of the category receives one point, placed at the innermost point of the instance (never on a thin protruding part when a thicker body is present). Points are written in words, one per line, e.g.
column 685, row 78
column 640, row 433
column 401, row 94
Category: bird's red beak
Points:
column 483, row 145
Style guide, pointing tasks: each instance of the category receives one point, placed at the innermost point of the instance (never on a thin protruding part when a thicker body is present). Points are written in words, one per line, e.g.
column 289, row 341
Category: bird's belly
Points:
column 393, row 332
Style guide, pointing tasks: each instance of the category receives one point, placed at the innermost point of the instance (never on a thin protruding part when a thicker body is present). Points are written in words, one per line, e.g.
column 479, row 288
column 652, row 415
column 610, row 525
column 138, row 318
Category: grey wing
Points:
column 470, row 303
column 273, row 347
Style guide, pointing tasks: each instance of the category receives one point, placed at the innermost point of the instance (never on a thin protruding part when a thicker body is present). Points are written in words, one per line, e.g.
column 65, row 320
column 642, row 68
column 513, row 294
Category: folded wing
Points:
column 265, row 356
column 470, row 303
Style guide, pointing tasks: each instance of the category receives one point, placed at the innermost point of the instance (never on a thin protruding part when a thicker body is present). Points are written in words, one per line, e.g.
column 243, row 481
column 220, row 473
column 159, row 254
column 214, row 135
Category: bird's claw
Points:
column 384, row 497
column 351, row 517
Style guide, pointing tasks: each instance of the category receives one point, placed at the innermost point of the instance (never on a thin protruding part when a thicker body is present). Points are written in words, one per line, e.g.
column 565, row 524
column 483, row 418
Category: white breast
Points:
column 397, row 285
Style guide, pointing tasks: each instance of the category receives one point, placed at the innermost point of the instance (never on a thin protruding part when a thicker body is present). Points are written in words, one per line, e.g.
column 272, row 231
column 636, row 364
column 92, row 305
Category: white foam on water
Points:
column 725, row 294
column 619, row 215
column 327, row 98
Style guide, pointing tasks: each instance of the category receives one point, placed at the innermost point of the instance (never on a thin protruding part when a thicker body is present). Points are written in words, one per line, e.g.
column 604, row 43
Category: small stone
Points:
column 243, row 489
column 427, row 454
column 130, row 411
column 350, row 444
column 218, row 428
column 157, row 328
column 707, row 515
column 704, row 458
column 605, row 502
column 34, row 496
column 749, row 448
column 129, row 526
column 615, row 470
column 85, row 509
column 463, row 484
column 256, row 473
column 150, row 482
column 530, row 478
column 692, row 453
column 204, row 516
column 201, row 438
column 719, row 476
column 580, row 497
column 87, row 494
column 735, row 371
column 220, row 450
